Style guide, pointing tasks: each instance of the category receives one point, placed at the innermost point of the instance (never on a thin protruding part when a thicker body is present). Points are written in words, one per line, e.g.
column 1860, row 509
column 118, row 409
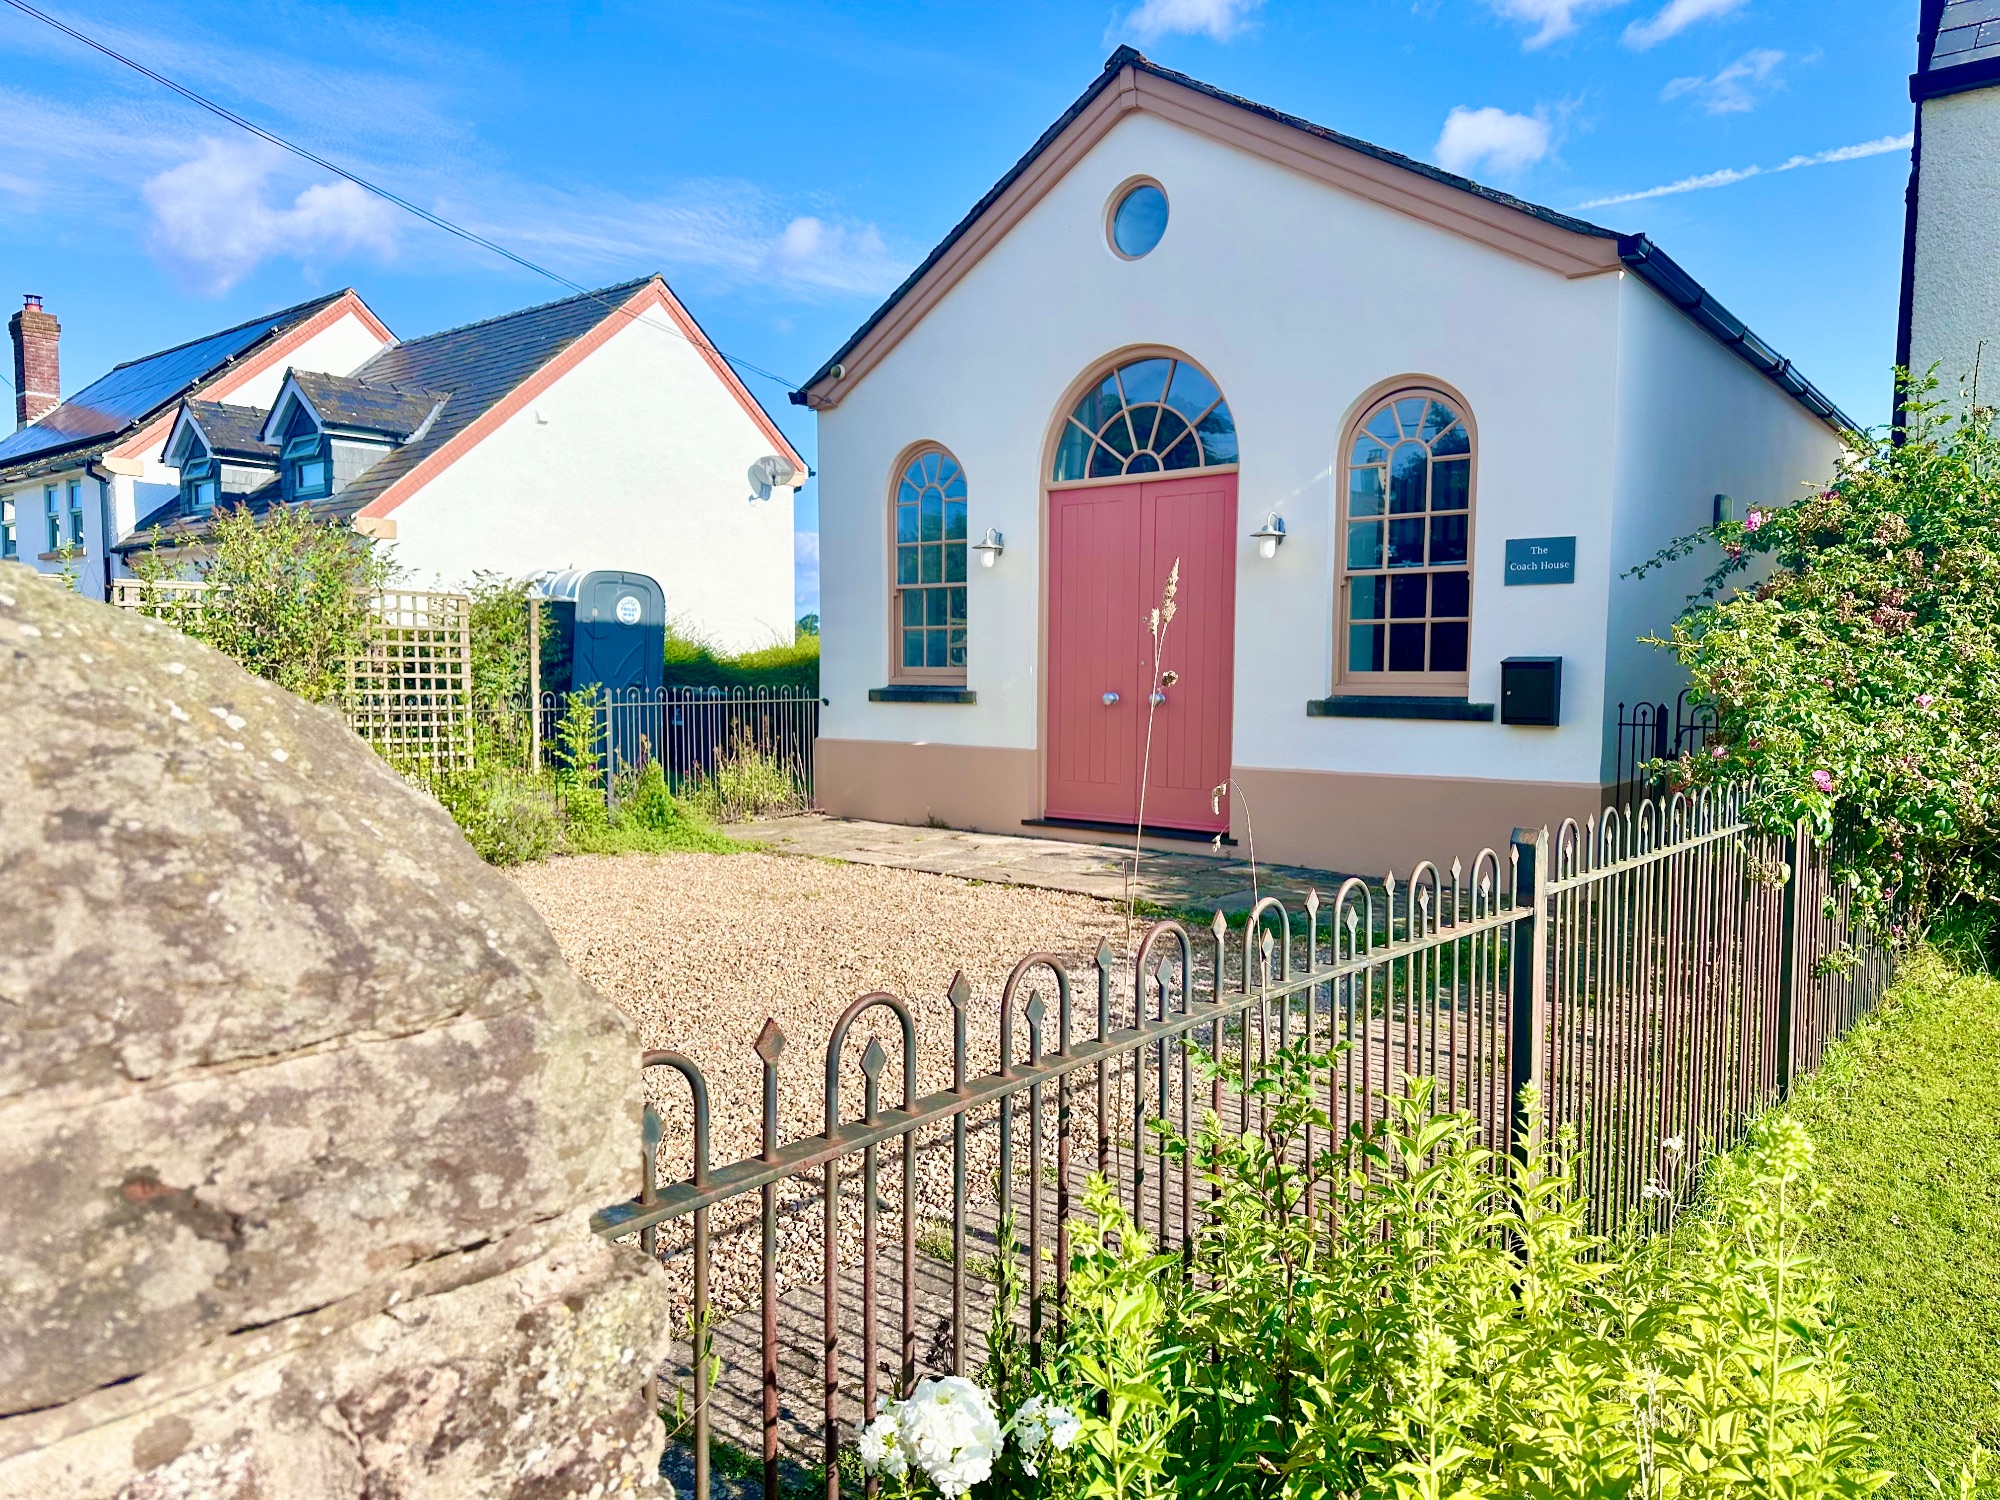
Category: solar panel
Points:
column 109, row 404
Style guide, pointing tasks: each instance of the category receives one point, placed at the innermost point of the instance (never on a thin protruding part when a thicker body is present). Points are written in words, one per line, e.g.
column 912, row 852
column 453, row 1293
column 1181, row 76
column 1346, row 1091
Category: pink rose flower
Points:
column 1718, row 752
column 1823, row 781
column 1925, row 700
column 1753, row 520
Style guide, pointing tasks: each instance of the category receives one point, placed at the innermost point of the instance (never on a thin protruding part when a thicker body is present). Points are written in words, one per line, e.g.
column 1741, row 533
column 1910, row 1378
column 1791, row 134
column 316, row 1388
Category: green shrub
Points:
column 1408, row 1316
column 692, row 662
column 509, row 816
column 288, row 595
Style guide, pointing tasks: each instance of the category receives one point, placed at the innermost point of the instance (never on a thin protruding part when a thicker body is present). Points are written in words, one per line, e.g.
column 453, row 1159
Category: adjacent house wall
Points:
column 1694, row 421
column 1955, row 291
column 637, row 458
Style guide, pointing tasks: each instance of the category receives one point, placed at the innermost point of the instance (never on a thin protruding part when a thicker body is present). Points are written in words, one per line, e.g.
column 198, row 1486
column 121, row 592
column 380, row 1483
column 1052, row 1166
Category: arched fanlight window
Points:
column 1146, row 417
column 1406, row 540
column 929, row 519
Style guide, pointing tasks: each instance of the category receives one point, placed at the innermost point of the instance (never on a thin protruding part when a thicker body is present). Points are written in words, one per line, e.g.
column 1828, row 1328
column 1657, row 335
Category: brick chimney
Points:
column 37, row 373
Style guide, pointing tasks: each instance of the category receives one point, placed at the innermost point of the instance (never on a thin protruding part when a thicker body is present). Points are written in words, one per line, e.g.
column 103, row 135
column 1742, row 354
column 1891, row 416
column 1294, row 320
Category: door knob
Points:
column 1157, row 699
column 1109, row 699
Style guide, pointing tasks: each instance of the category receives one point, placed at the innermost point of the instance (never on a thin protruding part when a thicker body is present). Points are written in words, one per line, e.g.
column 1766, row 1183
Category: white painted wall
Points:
column 1694, row 421
column 341, row 348
column 1955, row 307
column 637, row 458
column 1298, row 299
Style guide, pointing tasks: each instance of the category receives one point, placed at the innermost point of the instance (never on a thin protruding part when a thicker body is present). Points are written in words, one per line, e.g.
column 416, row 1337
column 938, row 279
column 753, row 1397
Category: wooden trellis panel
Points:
column 409, row 695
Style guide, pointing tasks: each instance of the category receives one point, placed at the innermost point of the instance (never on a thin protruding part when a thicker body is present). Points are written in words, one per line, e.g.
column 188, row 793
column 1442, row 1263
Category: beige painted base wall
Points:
column 1328, row 820
column 1366, row 824
column 967, row 786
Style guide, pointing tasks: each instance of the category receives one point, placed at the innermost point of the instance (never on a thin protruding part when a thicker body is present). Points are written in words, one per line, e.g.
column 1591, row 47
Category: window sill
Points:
column 77, row 556
column 921, row 692
column 1358, row 706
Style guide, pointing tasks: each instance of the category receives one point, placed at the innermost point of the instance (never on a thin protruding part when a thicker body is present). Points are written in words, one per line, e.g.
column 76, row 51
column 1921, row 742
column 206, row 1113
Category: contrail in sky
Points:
column 1728, row 175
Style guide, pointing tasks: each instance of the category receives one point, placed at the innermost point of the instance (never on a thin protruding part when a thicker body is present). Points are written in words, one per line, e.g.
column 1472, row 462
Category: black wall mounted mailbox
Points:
column 1531, row 690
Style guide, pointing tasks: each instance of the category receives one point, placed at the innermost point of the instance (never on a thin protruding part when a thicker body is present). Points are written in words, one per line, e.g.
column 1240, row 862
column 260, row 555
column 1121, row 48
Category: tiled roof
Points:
column 167, row 525
column 479, row 364
column 233, row 431
column 367, row 406
column 1967, row 31
column 139, row 390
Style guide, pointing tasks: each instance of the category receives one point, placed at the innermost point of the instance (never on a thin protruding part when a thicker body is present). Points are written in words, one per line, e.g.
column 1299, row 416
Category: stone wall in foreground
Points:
column 301, row 1112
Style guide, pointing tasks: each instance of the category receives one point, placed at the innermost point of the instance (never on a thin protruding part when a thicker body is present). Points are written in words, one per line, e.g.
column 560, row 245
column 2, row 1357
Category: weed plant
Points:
column 1411, row 1316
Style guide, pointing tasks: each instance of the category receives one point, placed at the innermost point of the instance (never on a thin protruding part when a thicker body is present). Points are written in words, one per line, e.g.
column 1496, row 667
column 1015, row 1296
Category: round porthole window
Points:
column 1139, row 220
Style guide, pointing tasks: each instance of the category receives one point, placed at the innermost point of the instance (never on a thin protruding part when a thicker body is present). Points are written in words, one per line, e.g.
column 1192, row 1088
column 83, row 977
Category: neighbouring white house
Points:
column 1950, row 313
column 602, row 431
column 1403, row 435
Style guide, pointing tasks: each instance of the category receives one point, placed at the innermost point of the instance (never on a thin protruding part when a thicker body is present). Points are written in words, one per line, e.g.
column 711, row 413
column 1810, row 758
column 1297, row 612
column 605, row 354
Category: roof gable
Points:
column 494, row 368
column 1554, row 241
column 140, row 388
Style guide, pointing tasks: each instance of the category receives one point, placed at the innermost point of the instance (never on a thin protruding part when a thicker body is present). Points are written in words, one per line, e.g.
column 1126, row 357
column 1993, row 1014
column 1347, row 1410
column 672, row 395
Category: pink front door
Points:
column 1111, row 548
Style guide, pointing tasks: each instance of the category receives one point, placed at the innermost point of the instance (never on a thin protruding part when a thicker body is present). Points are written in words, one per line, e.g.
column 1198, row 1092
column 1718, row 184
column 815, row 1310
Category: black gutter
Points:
column 1663, row 274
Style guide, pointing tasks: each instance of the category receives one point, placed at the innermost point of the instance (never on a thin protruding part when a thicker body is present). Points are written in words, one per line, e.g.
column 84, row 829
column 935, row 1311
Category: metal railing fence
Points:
column 1653, row 972
column 744, row 751
column 1649, row 733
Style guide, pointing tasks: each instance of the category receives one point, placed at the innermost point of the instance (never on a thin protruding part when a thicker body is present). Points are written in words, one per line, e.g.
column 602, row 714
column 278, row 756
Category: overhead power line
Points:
column 436, row 221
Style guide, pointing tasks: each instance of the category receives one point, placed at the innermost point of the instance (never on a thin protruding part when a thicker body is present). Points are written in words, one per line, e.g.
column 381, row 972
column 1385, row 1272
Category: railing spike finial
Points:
column 959, row 991
column 771, row 1040
column 1312, row 903
column 1105, row 957
column 1035, row 1009
column 1218, row 924
column 874, row 1058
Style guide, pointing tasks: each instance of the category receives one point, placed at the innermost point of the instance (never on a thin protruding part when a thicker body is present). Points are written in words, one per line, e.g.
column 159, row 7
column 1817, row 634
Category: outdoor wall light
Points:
column 989, row 547
column 1269, row 535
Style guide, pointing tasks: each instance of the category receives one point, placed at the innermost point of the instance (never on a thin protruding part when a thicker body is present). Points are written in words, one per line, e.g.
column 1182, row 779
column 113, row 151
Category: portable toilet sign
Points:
column 609, row 631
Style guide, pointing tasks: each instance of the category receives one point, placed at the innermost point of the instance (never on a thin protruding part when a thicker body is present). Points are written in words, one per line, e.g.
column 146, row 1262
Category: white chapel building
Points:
column 1404, row 436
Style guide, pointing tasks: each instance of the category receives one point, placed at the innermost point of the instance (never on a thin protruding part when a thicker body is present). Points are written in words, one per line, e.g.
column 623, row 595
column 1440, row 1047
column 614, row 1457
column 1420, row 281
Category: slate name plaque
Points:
column 1541, row 559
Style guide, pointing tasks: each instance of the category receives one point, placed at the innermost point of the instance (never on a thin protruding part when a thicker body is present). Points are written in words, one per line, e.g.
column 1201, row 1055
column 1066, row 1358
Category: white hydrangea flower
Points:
column 1039, row 1423
column 946, row 1431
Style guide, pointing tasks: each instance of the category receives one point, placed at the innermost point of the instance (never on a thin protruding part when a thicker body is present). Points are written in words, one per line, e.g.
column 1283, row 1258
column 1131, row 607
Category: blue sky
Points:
column 785, row 164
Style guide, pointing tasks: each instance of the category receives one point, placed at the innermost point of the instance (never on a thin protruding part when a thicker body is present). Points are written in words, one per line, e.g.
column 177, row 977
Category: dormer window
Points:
column 310, row 472
column 198, row 482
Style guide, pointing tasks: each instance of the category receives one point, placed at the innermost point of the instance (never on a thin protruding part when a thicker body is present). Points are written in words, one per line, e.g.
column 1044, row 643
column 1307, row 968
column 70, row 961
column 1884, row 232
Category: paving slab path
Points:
column 1177, row 874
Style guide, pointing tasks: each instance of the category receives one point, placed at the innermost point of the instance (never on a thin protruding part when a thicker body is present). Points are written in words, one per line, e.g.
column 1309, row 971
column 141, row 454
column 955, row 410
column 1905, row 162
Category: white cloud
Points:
column 805, row 572
column 1727, row 175
column 1220, row 19
column 1503, row 143
column 1733, row 90
column 123, row 164
column 214, row 223
column 1556, row 18
column 1676, row 18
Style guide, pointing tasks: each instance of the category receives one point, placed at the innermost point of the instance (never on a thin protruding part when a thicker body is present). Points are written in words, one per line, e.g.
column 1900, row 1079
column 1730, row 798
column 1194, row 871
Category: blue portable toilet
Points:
column 609, row 630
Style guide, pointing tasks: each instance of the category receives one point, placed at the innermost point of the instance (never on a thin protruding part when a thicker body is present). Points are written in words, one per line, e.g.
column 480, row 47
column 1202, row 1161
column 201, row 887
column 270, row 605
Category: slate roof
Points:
column 134, row 393
column 1965, row 31
column 1639, row 255
column 233, row 431
column 360, row 405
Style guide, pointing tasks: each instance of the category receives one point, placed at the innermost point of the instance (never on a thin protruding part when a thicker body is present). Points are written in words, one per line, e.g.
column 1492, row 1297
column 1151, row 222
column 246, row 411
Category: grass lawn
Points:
column 1906, row 1121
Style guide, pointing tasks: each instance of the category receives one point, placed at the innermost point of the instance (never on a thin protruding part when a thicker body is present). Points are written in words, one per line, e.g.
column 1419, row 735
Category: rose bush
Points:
column 1850, row 647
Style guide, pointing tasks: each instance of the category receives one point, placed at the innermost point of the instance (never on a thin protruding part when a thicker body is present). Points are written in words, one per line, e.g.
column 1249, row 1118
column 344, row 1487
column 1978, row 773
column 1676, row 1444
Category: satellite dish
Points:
column 768, row 473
